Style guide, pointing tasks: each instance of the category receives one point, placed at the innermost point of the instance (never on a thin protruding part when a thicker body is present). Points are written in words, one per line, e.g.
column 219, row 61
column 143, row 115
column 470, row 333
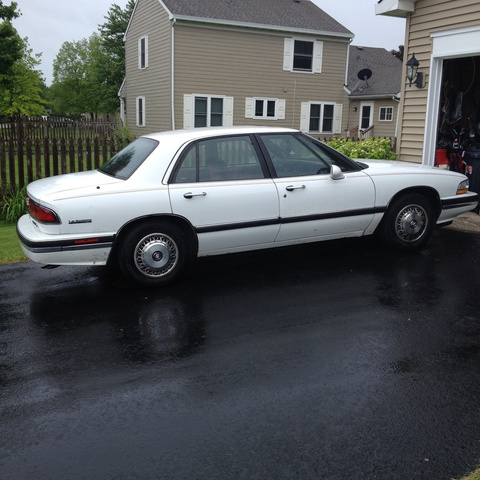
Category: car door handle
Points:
column 291, row 188
column 191, row 195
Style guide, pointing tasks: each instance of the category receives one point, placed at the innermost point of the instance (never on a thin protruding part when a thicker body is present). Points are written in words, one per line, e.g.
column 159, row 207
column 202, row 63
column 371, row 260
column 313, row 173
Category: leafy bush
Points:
column 13, row 204
column 369, row 148
column 123, row 135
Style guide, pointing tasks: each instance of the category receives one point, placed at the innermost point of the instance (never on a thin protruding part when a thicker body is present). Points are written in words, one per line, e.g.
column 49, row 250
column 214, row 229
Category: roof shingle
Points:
column 385, row 67
column 292, row 14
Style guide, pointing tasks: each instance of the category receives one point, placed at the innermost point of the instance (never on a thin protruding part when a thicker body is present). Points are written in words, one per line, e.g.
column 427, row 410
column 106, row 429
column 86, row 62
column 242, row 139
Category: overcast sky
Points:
column 50, row 23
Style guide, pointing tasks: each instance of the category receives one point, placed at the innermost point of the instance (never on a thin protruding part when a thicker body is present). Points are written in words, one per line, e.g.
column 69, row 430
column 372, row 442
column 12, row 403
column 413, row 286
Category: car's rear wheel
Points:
column 153, row 253
column 408, row 223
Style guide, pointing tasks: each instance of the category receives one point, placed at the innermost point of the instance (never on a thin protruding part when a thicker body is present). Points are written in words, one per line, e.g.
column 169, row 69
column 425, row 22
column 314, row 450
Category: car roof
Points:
column 208, row 132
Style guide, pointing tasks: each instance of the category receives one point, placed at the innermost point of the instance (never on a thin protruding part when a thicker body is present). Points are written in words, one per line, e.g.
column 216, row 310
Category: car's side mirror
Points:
column 336, row 173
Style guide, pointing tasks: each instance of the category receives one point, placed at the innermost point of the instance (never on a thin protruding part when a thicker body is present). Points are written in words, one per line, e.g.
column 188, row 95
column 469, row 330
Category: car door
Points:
column 222, row 187
column 313, row 203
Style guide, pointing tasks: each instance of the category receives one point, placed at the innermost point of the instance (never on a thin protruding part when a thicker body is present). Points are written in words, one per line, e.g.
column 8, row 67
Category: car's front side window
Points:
column 219, row 159
column 292, row 158
column 295, row 155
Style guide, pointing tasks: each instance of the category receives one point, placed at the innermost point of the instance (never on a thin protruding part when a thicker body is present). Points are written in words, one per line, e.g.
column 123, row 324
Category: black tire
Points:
column 153, row 254
column 408, row 223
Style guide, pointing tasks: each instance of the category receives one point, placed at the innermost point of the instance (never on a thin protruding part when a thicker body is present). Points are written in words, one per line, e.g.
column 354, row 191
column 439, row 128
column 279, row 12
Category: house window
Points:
column 265, row 108
column 321, row 117
column 386, row 114
column 207, row 111
column 140, row 111
column 302, row 55
column 143, row 52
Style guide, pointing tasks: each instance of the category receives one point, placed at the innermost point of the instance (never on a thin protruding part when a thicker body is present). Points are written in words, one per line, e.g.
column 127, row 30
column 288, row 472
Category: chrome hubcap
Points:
column 411, row 223
column 156, row 255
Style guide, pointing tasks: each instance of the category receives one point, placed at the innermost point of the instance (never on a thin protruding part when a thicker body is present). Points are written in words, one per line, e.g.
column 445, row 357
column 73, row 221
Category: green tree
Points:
column 87, row 74
column 11, row 47
column 112, row 33
column 24, row 86
column 21, row 84
column 77, row 85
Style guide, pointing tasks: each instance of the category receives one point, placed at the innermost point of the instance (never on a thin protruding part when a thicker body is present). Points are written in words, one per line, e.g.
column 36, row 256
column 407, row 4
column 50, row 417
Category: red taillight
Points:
column 41, row 214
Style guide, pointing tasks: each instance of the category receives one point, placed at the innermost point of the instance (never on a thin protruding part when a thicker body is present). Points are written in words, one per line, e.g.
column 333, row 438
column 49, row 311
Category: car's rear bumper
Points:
column 62, row 249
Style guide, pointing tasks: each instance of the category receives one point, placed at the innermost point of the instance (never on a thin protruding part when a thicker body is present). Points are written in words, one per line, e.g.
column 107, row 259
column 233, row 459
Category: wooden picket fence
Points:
column 33, row 149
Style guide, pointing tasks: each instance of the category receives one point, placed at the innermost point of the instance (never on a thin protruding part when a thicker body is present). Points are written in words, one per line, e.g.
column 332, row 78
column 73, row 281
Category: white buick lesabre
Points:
column 172, row 196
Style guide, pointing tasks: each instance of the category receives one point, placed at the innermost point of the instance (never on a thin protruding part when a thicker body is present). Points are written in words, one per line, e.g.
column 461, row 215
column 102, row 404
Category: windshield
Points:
column 124, row 163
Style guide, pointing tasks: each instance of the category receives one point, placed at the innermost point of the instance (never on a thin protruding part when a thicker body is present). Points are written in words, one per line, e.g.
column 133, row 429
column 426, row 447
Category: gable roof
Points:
column 299, row 15
column 386, row 71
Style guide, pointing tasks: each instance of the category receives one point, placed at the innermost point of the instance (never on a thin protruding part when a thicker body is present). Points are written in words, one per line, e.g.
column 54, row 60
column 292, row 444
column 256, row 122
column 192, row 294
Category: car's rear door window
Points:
column 219, row 159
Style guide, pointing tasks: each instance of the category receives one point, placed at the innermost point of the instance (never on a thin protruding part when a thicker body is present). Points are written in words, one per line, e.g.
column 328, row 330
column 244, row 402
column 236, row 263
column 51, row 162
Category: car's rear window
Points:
column 124, row 163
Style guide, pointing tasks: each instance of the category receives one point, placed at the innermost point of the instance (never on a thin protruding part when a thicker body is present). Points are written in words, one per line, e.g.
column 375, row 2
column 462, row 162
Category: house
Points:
column 234, row 62
column 373, row 88
column 439, row 121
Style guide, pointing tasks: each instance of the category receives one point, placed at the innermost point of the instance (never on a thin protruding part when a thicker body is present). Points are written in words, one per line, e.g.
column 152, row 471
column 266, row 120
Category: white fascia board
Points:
column 385, row 96
column 215, row 21
column 130, row 21
column 395, row 8
column 170, row 16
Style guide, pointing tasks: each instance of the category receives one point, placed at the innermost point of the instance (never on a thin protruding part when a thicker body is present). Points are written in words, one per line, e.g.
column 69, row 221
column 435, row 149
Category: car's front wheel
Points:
column 153, row 253
column 408, row 222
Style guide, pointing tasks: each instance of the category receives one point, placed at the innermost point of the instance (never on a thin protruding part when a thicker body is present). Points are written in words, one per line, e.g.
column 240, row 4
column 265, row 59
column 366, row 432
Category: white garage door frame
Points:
column 457, row 43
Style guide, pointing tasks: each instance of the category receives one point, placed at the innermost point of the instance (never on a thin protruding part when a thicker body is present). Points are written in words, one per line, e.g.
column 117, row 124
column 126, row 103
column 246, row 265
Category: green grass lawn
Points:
column 10, row 251
column 474, row 476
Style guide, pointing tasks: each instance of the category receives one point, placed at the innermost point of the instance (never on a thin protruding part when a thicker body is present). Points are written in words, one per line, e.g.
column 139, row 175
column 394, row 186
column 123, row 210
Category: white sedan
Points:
column 172, row 196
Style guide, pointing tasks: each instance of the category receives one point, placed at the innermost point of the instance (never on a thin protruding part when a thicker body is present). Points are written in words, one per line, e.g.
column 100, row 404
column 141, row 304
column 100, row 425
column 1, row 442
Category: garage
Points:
column 458, row 133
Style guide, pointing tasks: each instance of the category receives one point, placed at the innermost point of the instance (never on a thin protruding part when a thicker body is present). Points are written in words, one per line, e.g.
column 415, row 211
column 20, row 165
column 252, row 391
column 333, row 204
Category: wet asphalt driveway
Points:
column 329, row 361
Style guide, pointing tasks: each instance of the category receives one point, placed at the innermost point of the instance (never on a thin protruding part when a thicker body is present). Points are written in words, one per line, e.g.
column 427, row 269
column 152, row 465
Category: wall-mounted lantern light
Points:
column 413, row 75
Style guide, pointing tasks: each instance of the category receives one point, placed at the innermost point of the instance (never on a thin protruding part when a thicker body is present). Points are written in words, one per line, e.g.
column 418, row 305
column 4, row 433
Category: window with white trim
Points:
column 321, row 117
column 265, row 108
column 140, row 111
column 143, row 52
column 207, row 111
column 386, row 114
column 303, row 55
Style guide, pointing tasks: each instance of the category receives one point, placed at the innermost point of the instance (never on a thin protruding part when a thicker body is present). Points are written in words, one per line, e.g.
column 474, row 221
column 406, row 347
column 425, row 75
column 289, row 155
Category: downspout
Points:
column 172, row 72
column 396, row 99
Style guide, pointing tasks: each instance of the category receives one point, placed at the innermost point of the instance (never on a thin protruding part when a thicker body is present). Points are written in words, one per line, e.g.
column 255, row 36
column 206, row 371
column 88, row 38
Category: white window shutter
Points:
column 305, row 117
column 281, row 109
column 337, row 118
column 249, row 103
column 146, row 52
column 188, row 111
column 317, row 56
column 228, row 112
column 139, row 53
column 288, row 54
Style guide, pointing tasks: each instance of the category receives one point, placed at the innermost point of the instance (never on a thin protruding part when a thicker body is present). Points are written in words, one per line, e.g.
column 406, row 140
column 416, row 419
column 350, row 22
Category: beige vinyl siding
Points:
column 430, row 16
column 154, row 82
column 247, row 63
column 384, row 128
